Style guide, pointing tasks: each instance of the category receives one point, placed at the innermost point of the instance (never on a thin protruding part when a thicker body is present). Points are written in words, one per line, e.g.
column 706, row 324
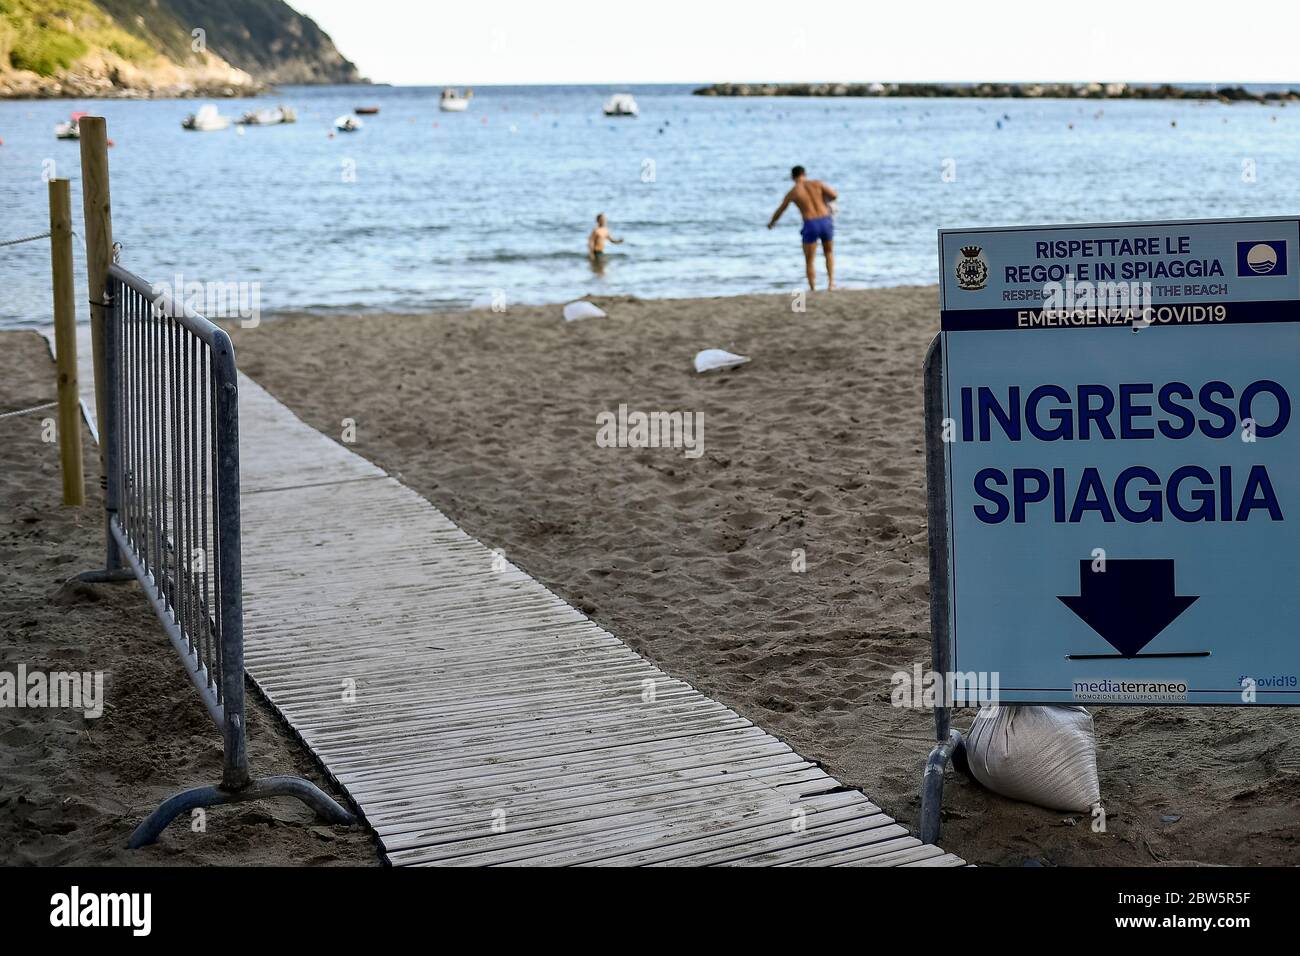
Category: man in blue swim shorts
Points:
column 813, row 197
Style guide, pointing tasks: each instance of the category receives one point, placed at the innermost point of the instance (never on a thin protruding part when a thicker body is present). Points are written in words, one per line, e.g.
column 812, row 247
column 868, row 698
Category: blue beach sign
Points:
column 1122, row 446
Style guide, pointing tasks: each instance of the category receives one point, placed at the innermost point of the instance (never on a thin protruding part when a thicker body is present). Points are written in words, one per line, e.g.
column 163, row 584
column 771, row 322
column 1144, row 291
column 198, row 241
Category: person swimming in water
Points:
column 813, row 198
column 599, row 236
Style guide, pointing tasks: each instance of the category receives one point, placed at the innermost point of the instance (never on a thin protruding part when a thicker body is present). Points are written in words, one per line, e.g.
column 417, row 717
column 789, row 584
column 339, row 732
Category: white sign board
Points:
column 1123, row 470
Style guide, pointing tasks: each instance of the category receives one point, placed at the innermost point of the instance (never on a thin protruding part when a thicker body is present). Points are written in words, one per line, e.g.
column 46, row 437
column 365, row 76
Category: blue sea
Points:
column 423, row 210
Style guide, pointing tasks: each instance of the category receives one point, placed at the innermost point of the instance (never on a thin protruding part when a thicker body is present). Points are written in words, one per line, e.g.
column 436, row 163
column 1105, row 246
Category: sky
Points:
column 422, row 42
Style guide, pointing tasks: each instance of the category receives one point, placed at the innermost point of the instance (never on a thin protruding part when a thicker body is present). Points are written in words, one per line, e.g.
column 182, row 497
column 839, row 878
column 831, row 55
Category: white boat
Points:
column 271, row 116
column 452, row 101
column 347, row 124
column 621, row 104
column 206, row 120
column 69, row 129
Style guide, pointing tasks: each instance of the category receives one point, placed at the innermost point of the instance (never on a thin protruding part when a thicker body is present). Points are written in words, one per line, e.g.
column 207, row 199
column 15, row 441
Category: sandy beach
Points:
column 72, row 789
column 816, row 445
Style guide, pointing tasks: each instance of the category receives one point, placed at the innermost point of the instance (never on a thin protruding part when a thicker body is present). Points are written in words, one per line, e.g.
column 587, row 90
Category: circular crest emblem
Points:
column 972, row 269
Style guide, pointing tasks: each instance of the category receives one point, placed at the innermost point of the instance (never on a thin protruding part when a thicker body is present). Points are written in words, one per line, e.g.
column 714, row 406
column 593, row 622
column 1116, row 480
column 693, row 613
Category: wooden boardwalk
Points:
column 475, row 718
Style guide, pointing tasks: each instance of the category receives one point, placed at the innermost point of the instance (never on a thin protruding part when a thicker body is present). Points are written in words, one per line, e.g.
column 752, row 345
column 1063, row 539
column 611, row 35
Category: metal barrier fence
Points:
column 171, row 450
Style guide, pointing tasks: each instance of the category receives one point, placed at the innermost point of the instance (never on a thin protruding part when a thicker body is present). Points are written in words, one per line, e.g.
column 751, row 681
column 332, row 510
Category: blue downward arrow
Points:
column 1129, row 603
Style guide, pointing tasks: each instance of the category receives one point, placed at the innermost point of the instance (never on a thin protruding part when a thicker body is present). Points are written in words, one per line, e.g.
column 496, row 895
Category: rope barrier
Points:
column 25, row 411
column 14, row 242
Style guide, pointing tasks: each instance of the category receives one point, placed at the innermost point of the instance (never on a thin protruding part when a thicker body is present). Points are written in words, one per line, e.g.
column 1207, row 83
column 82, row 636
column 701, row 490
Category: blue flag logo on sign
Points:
column 1265, row 258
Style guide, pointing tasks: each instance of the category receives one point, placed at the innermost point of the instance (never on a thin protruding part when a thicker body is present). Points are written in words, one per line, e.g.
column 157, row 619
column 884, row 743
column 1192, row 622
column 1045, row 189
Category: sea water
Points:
column 427, row 210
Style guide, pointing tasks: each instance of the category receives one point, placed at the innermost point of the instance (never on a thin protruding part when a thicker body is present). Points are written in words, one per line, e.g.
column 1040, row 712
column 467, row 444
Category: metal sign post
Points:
column 948, row 741
column 1113, row 474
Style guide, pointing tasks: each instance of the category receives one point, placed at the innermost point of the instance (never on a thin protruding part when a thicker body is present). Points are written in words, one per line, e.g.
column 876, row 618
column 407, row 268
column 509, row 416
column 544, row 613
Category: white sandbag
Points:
column 711, row 360
column 1045, row 755
column 582, row 310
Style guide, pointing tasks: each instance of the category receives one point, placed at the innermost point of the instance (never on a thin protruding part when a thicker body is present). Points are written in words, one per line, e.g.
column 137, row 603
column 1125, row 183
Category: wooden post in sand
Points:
column 99, row 253
column 65, row 342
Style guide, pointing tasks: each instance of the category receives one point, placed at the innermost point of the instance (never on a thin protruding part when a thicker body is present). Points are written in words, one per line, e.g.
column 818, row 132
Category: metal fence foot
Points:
column 325, row 806
column 932, row 787
column 153, row 825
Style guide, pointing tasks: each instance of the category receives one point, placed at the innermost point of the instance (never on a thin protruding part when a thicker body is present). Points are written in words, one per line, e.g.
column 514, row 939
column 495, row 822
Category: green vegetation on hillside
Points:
column 79, row 47
column 47, row 36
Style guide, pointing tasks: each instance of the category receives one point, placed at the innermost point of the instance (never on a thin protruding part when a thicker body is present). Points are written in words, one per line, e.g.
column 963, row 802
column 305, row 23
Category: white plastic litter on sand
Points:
column 712, row 360
column 582, row 310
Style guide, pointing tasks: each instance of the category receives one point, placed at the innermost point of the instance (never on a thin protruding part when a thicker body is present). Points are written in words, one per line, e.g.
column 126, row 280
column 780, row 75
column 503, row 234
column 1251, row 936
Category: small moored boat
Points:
column 70, row 128
column 347, row 124
column 366, row 110
column 206, row 120
column 452, row 101
column 271, row 116
column 622, row 104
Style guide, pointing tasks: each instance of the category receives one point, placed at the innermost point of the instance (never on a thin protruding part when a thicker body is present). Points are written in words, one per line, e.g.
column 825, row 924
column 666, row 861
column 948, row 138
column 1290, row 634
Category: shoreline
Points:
column 219, row 93
column 60, row 90
column 596, row 298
